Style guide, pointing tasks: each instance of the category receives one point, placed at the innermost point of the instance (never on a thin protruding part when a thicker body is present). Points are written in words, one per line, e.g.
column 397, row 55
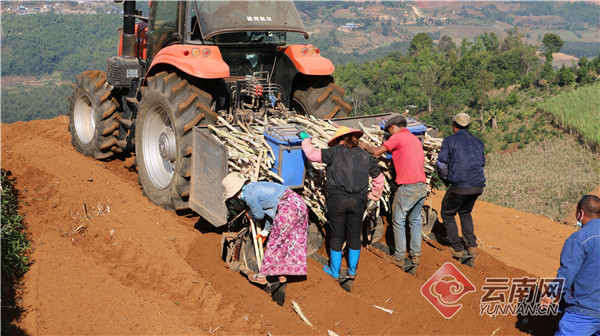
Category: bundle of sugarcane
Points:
column 251, row 155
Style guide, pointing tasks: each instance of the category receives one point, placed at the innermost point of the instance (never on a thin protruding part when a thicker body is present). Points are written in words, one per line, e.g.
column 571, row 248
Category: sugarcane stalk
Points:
column 228, row 125
column 257, row 168
column 262, row 139
column 258, row 258
column 318, row 129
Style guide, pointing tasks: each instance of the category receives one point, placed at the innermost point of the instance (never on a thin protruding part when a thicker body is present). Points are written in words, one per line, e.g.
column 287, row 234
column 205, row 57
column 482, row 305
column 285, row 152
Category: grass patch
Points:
column 545, row 178
column 15, row 262
column 577, row 111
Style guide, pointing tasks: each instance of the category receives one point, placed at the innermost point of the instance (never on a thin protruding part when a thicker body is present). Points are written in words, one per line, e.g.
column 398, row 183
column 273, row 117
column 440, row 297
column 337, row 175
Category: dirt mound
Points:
column 108, row 261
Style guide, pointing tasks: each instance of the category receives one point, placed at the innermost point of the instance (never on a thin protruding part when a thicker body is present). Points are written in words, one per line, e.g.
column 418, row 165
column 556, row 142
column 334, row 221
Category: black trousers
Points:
column 345, row 214
column 452, row 204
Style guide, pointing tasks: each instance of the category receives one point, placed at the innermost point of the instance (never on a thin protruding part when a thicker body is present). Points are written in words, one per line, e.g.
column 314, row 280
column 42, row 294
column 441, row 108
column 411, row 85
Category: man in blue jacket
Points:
column 580, row 269
column 460, row 163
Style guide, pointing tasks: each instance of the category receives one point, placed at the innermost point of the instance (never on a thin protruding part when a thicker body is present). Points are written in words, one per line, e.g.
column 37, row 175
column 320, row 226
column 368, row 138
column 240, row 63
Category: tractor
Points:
column 187, row 64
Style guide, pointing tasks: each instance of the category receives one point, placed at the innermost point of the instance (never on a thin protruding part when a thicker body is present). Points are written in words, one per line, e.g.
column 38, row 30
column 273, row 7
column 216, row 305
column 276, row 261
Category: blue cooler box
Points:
column 415, row 127
column 289, row 158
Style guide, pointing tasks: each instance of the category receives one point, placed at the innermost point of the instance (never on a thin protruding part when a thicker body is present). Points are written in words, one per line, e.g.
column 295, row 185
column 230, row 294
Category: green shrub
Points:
column 512, row 98
column 15, row 243
column 518, row 137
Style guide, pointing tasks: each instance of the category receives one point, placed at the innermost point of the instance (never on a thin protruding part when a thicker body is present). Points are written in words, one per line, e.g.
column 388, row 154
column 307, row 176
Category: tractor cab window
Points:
column 249, row 38
column 263, row 22
column 163, row 27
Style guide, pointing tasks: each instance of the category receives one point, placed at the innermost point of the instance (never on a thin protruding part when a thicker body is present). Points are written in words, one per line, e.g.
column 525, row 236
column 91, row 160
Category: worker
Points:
column 286, row 225
column 348, row 170
column 408, row 158
column 580, row 269
column 460, row 164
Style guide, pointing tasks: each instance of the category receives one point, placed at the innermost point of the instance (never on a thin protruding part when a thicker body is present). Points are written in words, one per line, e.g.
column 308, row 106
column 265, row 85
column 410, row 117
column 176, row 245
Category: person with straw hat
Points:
column 286, row 225
column 408, row 159
column 347, row 180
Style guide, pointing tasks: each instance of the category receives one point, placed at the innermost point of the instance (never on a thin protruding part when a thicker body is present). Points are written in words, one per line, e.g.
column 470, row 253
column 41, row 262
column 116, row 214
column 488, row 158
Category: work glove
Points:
column 303, row 135
column 262, row 236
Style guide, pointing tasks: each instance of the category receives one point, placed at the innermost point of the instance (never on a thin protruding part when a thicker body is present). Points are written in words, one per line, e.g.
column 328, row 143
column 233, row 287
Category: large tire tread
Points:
column 186, row 106
column 323, row 102
column 92, row 85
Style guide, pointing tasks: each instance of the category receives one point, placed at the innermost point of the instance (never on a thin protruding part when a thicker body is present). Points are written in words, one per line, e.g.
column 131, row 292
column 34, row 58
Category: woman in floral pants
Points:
column 286, row 225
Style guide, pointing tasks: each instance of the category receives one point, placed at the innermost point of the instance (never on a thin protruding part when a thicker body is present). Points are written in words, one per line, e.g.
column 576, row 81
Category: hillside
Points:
column 129, row 267
column 80, row 36
column 379, row 25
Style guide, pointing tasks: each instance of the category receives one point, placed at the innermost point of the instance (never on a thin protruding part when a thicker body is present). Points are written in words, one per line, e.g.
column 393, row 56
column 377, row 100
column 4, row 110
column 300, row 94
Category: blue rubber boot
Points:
column 353, row 256
column 335, row 262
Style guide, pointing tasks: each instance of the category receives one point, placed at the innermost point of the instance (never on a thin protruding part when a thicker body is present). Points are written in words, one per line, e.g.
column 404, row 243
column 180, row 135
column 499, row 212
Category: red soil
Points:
column 108, row 261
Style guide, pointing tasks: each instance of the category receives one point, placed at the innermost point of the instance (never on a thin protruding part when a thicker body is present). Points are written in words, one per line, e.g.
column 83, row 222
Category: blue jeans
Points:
column 575, row 324
column 407, row 204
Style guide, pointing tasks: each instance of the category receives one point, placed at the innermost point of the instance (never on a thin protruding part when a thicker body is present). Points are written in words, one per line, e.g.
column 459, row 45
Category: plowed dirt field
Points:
column 107, row 261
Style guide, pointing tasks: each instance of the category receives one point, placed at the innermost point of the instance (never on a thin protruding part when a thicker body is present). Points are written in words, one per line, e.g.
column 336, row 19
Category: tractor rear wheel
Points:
column 169, row 109
column 92, row 116
column 321, row 102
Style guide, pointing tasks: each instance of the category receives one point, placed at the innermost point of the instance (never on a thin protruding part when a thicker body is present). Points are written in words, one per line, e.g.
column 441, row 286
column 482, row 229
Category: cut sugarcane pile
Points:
column 251, row 155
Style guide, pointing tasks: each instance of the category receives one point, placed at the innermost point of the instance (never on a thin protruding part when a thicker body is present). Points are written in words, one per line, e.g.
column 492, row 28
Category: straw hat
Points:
column 343, row 130
column 462, row 119
column 232, row 183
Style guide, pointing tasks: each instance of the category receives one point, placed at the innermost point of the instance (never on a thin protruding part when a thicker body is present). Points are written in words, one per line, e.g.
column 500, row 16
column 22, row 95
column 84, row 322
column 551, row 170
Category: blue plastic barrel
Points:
column 289, row 158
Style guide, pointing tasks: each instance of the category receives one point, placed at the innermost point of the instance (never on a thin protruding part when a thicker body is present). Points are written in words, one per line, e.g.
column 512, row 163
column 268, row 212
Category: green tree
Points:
column 583, row 72
column 446, row 44
column 565, row 76
column 552, row 44
column 491, row 42
column 419, row 42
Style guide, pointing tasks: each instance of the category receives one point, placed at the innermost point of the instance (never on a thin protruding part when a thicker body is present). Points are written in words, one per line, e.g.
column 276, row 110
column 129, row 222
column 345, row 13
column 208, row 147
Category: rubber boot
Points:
column 335, row 262
column 353, row 256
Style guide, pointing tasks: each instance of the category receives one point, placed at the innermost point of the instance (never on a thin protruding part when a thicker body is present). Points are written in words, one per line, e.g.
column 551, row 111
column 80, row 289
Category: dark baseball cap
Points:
column 395, row 120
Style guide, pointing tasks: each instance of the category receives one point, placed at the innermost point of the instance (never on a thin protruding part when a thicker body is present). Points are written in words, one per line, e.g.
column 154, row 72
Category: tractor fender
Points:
column 195, row 60
column 308, row 60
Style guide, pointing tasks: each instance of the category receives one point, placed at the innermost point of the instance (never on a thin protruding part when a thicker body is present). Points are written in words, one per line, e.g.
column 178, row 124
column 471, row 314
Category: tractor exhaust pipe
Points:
column 129, row 12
